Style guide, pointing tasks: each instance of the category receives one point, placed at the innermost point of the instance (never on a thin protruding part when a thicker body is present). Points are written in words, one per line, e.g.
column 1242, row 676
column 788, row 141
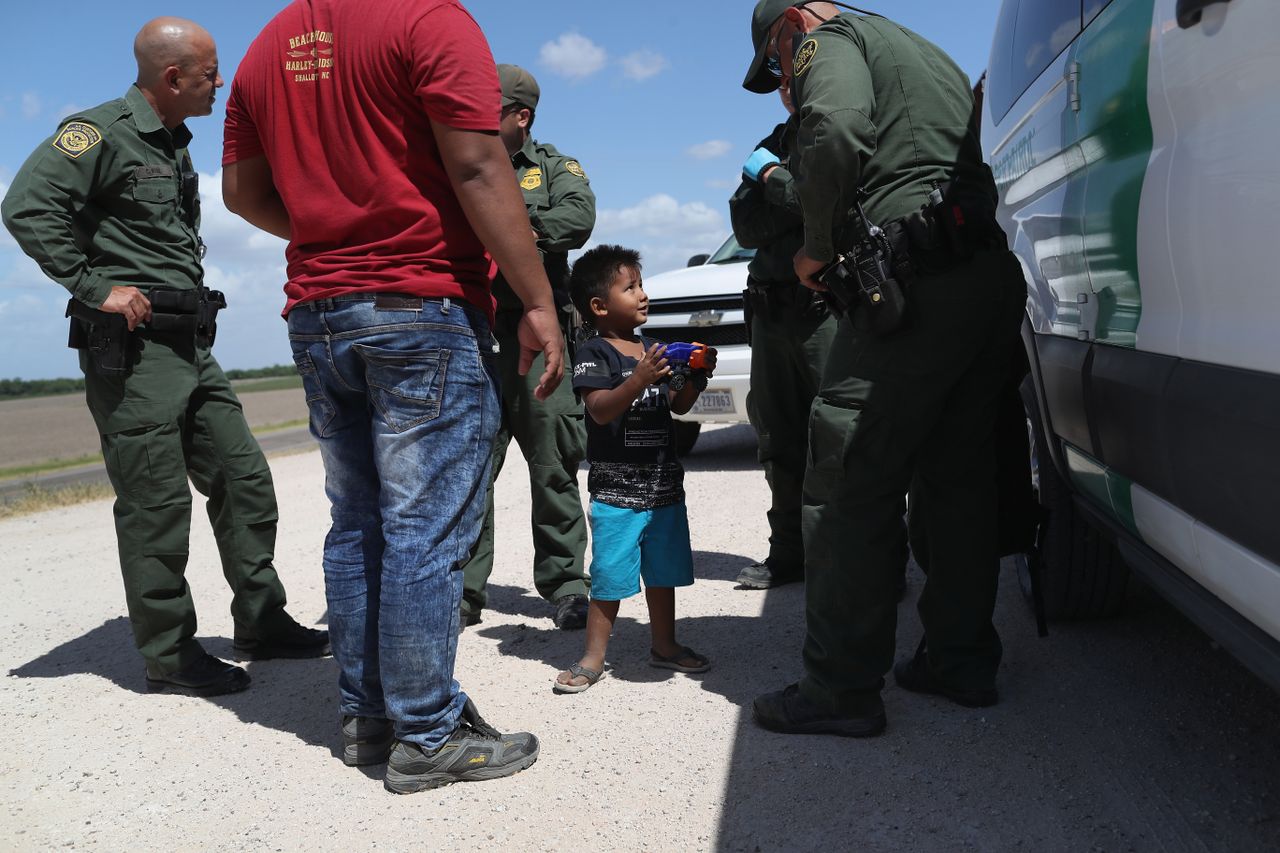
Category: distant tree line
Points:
column 12, row 389
column 15, row 389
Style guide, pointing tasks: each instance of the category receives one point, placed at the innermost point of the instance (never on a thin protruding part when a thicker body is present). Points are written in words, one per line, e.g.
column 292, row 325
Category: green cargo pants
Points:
column 790, row 338
column 172, row 417
column 553, row 439
column 915, row 410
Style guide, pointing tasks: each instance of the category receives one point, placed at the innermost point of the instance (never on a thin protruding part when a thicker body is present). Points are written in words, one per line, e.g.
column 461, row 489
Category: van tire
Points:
column 686, row 436
column 1082, row 574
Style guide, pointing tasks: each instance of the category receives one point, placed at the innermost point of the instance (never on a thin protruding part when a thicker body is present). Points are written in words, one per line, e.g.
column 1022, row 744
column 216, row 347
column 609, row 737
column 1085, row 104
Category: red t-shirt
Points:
column 339, row 95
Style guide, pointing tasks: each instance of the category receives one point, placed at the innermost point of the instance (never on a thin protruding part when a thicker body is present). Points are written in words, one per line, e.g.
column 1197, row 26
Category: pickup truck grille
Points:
column 669, row 320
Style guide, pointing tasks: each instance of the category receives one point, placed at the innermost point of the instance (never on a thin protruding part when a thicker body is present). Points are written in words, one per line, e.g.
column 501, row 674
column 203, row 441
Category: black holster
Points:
column 105, row 336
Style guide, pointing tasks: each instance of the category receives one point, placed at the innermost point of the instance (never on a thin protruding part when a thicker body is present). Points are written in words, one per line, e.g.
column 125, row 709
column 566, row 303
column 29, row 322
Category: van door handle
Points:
column 1190, row 11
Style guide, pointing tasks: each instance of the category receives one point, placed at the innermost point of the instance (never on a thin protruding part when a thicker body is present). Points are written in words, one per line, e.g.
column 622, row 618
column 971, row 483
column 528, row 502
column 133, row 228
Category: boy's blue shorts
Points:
column 629, row 543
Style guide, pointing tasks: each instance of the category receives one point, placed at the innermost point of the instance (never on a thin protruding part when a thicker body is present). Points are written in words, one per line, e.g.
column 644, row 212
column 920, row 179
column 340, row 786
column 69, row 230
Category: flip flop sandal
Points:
column 577, row 671
column 673, row 662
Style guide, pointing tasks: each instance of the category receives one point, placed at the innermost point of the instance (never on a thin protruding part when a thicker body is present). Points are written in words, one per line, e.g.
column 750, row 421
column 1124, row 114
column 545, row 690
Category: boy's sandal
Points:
column 577, row 671
column 673, row 662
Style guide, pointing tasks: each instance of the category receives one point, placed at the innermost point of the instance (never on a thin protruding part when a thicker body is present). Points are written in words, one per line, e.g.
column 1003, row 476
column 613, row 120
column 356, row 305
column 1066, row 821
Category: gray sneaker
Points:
column 474, row 752
column 366, row 740
column 764, row 576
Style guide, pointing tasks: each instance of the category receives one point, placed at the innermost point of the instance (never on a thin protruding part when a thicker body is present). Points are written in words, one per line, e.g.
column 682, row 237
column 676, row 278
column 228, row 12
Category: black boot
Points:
column 207, row 676
column 284, row 639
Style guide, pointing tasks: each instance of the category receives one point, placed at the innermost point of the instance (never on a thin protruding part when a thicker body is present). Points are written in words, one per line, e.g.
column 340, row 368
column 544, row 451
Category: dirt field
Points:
column 44, row 428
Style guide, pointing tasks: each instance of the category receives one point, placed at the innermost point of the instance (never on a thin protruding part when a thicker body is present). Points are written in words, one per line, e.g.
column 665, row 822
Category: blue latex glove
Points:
column 760, row 159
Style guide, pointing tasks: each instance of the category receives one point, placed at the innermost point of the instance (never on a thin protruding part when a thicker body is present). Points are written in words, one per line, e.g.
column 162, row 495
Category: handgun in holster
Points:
column 861, row 282
column 684, row 360
column 105, row 336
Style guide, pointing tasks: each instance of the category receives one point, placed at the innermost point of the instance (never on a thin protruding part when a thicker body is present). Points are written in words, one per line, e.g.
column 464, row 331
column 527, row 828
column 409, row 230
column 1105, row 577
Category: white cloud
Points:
column 709, row 150
column 574, row 56
column 664, row 231
column 234, row 244
column 643, row 64
column 66, row 110
column 30, row 105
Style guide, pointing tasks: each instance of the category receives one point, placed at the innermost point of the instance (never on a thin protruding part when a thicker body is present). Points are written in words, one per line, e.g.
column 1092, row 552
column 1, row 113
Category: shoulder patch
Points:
column 574, row 168
column 532, row 179
column 76, row 138
column 804, row 56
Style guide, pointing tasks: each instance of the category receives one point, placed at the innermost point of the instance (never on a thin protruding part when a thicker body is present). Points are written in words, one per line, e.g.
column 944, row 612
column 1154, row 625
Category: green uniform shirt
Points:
column 881, row 108
column 562, row 210
column 767, row 216
column 99, row 205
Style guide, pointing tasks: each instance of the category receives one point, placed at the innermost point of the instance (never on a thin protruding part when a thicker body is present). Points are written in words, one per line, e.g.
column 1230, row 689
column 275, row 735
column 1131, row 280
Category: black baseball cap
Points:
column 759, row 79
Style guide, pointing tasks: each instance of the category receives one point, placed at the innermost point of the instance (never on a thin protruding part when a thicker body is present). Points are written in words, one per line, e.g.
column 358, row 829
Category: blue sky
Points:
column 646, row 95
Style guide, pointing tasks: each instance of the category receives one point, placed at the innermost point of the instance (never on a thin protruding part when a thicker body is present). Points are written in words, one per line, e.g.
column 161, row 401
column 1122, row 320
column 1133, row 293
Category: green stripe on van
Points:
column 1109, row 490
column 1114, row 129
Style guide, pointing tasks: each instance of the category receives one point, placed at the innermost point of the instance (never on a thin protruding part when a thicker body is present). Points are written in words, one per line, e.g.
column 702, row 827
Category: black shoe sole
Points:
column 322, row 650
column 851, row 727
column 411, row 783
column 769, row 584
column 220, row 688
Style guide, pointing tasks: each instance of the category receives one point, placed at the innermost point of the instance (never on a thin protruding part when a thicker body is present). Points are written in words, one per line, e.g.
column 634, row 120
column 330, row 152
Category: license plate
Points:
column 714, row 401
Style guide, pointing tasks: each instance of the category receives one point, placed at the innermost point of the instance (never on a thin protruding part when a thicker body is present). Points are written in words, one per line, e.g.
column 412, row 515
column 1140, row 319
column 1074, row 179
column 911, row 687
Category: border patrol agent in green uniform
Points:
column 108, row 208
column 791, row 332
column 884, row 117
column 551, row 433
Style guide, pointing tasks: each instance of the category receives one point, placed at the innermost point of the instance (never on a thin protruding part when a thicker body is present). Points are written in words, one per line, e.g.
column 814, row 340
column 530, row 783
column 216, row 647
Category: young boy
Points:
column 639, row 527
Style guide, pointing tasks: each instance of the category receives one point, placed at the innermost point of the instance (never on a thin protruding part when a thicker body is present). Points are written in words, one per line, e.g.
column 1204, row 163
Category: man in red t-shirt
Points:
column 368, row 138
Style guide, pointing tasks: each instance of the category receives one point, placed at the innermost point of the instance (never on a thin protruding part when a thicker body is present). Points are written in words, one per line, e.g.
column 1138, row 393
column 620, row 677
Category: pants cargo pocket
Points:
column 831, row 431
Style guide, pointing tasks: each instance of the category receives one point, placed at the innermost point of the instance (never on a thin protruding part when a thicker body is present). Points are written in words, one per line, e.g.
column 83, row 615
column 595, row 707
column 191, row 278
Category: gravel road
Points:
column 1133, row 734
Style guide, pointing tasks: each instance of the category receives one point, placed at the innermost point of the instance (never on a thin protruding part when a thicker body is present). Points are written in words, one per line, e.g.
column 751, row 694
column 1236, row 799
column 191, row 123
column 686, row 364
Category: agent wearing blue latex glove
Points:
column 759, row 161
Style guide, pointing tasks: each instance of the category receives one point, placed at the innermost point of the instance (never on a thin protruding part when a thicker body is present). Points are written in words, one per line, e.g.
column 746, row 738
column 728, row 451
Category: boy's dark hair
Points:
column 595, row 271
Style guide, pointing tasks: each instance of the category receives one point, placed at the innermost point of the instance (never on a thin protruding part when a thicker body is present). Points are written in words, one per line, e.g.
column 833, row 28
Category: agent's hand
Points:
column 709, row 359
column 806, row 270
column 759, row 162
column 130, row 302
column 652, row 367
column 539, row 332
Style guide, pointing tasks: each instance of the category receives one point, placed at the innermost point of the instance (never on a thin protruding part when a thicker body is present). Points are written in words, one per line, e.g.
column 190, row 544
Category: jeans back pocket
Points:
column 405, row 386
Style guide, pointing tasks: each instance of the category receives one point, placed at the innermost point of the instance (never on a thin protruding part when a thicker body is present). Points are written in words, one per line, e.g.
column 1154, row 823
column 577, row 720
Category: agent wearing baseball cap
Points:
column 551, row 434
column 883, row 117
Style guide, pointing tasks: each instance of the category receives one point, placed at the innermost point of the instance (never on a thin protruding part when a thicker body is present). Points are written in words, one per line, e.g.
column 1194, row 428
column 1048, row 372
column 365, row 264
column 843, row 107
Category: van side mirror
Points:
column 698, row 260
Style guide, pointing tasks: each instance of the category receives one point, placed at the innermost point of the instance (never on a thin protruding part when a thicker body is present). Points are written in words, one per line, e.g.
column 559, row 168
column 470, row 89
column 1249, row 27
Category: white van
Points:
column 703, row 303
column 1134, row 144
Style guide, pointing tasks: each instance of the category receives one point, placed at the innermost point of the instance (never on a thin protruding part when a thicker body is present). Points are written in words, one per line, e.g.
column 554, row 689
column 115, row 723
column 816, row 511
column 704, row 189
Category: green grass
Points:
column 279, row 383
column 48, row 465
column 37, row 498
column 277, row 427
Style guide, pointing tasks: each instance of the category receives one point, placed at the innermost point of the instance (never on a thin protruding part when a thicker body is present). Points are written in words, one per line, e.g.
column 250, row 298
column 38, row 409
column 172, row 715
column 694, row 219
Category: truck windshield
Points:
column 731, row 253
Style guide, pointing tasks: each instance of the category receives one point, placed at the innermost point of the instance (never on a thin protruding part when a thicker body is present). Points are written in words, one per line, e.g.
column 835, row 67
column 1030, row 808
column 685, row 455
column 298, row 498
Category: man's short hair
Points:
column 594, row 272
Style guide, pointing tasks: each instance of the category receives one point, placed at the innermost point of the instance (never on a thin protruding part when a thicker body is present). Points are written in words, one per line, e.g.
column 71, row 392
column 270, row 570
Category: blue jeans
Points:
column 404, row 404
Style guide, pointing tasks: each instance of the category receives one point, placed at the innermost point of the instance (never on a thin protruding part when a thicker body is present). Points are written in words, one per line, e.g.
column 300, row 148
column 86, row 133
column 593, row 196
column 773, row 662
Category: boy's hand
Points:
column 652, row 367
column 709, row 359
